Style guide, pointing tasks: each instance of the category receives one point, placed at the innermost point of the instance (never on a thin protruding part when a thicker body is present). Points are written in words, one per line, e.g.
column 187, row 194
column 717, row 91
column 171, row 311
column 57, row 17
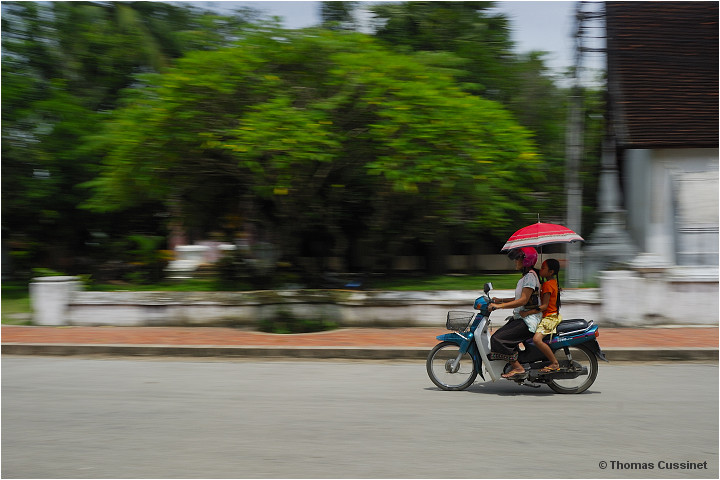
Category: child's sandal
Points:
column 549, row 369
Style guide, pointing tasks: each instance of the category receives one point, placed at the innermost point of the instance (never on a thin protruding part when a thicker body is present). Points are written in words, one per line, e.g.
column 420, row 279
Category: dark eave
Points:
column 663, row 73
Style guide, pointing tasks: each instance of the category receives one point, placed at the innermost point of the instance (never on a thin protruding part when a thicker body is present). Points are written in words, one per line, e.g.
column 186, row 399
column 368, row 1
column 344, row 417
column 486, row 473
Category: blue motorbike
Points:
column 455, row 362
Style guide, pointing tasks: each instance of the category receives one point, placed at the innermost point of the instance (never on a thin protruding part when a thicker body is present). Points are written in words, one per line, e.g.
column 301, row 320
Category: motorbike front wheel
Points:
column 581, row 356
column 448, row 369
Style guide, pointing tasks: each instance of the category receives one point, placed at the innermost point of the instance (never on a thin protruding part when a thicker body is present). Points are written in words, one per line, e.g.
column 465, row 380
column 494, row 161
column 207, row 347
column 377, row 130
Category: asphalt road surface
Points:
column 157, row 418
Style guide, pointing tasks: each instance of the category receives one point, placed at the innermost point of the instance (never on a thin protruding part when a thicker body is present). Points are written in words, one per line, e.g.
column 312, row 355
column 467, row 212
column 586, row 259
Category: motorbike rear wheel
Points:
column 582, row 357
column 445, row 373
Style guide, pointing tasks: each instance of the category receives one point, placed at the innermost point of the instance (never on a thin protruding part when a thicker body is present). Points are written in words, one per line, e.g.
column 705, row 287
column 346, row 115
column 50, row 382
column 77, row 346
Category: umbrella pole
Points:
column 541, row 252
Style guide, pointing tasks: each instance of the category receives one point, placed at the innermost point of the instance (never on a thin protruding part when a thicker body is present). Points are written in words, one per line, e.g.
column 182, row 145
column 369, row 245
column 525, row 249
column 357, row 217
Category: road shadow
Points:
column 511, row 389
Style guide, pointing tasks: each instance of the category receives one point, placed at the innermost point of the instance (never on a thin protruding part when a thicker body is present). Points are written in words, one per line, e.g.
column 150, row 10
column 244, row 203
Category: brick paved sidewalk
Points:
column 698, row 337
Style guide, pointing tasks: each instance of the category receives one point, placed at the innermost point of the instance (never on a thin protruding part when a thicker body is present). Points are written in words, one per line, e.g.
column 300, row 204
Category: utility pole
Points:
column 610, row 242
column 586, row 13
column 574, row 148
column 573, row 157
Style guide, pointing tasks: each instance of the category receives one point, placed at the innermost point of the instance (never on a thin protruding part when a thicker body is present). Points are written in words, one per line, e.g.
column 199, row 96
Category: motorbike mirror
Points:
column 487, row 288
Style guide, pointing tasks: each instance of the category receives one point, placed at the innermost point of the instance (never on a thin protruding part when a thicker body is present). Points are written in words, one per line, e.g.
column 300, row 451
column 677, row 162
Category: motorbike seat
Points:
column 572, row 325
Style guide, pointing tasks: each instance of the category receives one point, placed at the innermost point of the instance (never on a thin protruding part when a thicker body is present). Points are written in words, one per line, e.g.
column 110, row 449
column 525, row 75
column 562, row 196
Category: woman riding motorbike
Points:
column 504, row 342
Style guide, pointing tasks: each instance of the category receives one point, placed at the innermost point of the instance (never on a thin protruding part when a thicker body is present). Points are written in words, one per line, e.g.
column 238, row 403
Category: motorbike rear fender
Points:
column 595, row 347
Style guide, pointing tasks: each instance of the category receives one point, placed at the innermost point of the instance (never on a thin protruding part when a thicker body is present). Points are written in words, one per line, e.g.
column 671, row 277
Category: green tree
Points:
column 540, row 105
column 464, row 28
column 522, row 83
column 318, row 138
column 63, row 65
column 338, row 15
column 594, row 129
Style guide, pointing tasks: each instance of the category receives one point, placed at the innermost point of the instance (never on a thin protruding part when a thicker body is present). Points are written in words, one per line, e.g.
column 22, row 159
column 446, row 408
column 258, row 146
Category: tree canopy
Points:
column 63, row 66
column 385, row 141
column 131, row 119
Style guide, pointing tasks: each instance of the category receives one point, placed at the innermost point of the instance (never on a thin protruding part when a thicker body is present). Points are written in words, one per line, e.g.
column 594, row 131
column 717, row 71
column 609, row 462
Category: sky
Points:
column 536, row 25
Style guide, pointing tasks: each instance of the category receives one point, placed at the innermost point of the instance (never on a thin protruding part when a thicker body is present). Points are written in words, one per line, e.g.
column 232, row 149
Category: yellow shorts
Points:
column 548, row 324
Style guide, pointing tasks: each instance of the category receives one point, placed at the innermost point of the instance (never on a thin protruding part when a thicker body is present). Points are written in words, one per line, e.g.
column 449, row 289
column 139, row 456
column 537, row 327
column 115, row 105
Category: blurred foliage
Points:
column 285, row 322
column 506, row 281
column 46, row 272
column 16, row 309
column 338, row 15
column 594, row 132
column 522, row 83
column 252, row 268
column 464, row 28
column 147, row 258
column 63, row 66
column 316, row 131
column 125, row 120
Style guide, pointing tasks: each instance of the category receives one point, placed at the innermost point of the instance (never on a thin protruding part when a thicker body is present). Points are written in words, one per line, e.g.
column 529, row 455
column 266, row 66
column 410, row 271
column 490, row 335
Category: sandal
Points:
column 514, row 374
column 550, row 369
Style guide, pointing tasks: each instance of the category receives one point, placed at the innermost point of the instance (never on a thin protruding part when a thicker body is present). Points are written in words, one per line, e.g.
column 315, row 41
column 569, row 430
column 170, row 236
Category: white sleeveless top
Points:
column 529, row 280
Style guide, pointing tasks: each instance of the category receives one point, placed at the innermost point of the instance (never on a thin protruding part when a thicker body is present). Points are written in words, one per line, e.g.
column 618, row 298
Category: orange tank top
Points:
column 551, row 287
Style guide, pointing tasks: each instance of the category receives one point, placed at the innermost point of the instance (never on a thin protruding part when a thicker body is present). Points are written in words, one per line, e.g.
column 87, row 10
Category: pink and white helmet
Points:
column 528, row 255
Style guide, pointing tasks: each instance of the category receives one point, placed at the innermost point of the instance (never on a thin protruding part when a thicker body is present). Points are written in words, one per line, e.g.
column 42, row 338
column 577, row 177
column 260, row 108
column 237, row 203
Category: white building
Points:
column 659, row 184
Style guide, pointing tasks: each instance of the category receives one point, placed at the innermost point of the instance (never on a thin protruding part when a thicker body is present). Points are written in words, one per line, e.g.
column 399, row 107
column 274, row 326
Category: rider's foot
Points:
column 512, row 373
column 554, row 367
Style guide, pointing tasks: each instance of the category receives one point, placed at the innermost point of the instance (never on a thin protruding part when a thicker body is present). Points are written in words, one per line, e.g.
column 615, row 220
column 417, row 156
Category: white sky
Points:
column 536, row 25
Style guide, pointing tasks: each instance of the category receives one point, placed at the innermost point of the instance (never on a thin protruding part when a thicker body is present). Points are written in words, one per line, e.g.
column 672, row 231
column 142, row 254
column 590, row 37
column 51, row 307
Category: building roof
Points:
column 663, row 73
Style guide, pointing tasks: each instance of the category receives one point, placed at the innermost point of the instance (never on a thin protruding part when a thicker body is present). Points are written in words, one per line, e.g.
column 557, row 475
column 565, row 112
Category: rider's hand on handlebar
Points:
column 493, row 306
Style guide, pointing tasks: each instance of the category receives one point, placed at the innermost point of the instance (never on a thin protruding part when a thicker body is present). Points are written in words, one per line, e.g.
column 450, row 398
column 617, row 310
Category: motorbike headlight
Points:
column 481, row 303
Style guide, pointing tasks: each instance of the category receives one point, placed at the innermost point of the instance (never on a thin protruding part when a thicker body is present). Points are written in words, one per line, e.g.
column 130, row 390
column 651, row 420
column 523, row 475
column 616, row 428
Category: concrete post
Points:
column 621, row 292
column 50, row 297
column 610, row 244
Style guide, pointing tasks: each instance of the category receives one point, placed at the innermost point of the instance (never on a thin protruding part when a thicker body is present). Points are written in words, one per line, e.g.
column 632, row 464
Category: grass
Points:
column 394, row 283
column 189, row 285
column 15, row 303
column 447, row 282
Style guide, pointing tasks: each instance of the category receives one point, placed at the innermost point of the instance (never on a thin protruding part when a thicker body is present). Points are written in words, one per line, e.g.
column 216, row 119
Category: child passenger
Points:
column 550, row 308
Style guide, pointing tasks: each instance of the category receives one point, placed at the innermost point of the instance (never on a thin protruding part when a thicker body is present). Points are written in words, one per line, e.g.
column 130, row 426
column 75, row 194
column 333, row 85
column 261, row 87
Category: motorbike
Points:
column 455, row 362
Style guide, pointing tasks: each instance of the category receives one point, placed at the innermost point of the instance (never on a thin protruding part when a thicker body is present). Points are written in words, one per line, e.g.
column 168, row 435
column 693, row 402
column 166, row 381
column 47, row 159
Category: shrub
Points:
column 285, row 322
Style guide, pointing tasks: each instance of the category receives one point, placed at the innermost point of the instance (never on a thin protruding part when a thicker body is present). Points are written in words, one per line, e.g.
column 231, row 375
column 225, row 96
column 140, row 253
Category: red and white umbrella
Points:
column 541, row 234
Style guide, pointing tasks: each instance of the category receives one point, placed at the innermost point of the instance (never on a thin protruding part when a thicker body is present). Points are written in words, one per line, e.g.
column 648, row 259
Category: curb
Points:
column 618, row 354
column 356, row 353
column 652, row 354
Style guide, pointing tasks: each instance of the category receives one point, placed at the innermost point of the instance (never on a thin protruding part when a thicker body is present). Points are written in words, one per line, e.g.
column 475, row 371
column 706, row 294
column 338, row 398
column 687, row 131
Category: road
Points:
column 150, row 418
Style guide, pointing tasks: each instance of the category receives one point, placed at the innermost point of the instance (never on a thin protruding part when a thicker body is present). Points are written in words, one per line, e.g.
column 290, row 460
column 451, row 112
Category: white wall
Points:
column 671, row 197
